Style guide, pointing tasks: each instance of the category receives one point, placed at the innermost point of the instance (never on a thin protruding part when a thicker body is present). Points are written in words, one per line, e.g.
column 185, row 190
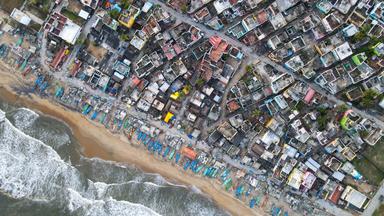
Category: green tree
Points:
column 184, row 8
column 322, row 119
column 369, row 98
column 114, row 14
column 363, row 133
column 256, row 113
column 125, row 4
column 249, row 68
column 124, row 37
column 342, row 108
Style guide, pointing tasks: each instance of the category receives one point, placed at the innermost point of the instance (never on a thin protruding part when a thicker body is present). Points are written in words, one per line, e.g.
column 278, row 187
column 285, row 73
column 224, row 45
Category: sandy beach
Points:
column 96, row 141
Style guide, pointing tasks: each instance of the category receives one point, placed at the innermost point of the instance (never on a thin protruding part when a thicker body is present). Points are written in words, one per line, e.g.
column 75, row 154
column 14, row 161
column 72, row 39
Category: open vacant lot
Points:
column 8, row 5
column 372, row 164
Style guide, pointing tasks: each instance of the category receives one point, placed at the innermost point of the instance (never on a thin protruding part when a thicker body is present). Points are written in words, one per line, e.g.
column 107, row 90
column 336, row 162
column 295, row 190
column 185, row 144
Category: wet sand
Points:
column 96, row 141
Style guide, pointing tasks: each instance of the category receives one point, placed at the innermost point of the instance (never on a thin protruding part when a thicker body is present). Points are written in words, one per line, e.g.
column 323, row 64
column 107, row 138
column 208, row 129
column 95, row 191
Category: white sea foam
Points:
column 24, row 118
column 108, row 207
column 30, row 169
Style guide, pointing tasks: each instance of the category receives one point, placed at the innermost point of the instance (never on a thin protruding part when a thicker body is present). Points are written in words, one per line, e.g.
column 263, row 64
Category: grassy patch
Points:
column 8, row 5
column 72, row 16
column 376, row 154
column 369, row 171
column 379, row 211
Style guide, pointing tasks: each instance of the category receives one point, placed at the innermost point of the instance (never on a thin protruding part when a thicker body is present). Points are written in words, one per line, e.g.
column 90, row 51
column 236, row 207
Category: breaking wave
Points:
column 38, row 174
column 32, row 170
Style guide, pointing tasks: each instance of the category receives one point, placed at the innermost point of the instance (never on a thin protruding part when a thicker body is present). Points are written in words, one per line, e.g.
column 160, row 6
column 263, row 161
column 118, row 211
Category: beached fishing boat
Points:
column 160, row 148
column 43, row 86
column 227, row 184
column 94, row 115
column 102, row 118
column 194, row 164
column 27, row 71
column 150, row 145
column 172, row 154
column 145, row 142
column 59, row 92
column 119, row 124
column 199, row 168
column 252, row 203
column 166, row 151
column 276, row 211
column 126, row 123
column 85, row 107
column 38, row 81
column 248, row 192
column 177, row 158
column 206, row 171
column 89, row 108
column 186, row 165
column 130, row 134
column 224, row 174
column 239, row 191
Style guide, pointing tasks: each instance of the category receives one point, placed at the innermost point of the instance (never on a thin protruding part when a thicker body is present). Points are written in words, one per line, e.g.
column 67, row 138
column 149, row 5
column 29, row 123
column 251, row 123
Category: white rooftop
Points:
column 343, row 51
column 83, row 14
column 20, row 17
column 70, row 32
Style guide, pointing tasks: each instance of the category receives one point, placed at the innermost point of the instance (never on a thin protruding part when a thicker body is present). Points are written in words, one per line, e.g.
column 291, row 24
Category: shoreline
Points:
column 97, row 142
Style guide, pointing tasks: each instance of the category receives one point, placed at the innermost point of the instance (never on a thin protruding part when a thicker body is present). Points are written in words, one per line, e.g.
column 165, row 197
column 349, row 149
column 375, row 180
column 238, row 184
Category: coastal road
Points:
column 250, row 52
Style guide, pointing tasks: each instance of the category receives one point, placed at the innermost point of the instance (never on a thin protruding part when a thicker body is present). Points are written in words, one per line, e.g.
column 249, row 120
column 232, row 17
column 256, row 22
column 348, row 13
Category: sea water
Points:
column 42, row 172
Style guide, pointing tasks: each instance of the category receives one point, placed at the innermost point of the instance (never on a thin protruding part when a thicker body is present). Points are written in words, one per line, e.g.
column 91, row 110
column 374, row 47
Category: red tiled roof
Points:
column 233, row 106
column 309, row 96
column 215, row 41
column 58, row 57
column 216, row 53
column 335, row 196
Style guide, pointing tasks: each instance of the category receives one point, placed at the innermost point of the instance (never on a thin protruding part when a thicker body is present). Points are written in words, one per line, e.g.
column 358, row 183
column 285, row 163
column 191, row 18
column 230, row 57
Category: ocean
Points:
column 42, row 172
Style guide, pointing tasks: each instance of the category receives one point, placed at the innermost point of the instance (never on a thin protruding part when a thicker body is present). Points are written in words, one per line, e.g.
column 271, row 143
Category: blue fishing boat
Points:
column 88, row 110
column 150, row 145
column 85, row 107
column 199, row 168
column 172, row 154
column 186, row 165
column 44, row 86
column 248, row 192
column 160, row 149
column 239, row 191
column 145, row 142
column 139, row 134
column 166, row 151
column 224, row 174
column 94, row 115
column 276, row 211
column 38, row 81
column 119, row 124
column 143, row 137
column 194, row 164
column 177, row 158
column 252, row 203
column 59, row 92
column 102, row 118
column 206, row 171
column 214, row 174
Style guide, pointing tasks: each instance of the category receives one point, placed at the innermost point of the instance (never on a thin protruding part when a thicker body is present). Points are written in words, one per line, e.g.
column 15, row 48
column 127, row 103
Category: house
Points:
column 355, row 198
column 20, row 17
column 62, row 27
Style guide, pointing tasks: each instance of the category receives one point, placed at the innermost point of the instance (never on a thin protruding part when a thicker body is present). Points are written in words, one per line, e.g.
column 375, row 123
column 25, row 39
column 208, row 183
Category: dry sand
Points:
column 96, row 141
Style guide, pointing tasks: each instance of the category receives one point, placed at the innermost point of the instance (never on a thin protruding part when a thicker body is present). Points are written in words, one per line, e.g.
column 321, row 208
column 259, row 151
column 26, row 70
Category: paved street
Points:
column 375, row 202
